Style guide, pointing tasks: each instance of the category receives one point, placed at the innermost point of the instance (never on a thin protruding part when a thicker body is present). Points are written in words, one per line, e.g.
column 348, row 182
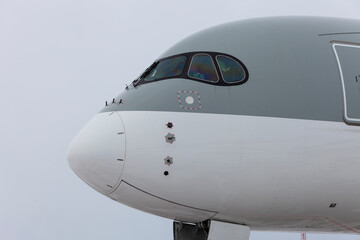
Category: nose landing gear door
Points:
column 348, row 60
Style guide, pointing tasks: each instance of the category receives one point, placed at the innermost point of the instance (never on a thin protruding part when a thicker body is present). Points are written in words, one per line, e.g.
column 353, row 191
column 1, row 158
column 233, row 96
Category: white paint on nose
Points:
column 97, row 153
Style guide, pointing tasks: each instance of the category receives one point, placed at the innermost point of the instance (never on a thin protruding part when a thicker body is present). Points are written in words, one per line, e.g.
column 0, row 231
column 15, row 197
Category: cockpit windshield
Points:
column 202, row 67
column 168, row 68
column 211, row 67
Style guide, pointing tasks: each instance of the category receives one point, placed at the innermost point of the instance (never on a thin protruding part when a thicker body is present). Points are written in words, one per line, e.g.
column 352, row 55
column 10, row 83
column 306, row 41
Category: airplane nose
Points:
column 97, row 153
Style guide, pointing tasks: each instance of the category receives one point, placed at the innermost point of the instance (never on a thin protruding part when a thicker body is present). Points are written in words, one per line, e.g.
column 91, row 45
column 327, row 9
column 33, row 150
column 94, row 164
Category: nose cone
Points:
column 97, row 153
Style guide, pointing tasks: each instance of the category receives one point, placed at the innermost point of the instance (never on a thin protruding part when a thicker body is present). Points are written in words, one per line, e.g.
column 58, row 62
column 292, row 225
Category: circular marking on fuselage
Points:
column 189, row 100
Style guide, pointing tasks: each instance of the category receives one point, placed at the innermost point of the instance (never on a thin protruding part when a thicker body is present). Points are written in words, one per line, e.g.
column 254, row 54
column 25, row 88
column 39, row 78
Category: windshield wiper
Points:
column 145, row 73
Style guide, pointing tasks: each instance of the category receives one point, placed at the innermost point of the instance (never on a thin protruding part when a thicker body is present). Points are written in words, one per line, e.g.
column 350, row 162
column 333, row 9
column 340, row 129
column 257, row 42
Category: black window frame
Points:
column 184, row 75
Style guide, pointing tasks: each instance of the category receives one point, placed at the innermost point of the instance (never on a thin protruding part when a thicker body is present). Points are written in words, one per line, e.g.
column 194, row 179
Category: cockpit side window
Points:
column 202, row 67
column 231, row 71
column 168, row 68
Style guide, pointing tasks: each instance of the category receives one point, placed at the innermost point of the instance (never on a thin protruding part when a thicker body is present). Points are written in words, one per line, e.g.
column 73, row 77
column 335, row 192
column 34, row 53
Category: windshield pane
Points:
column 203, row 68
column 167, row 68
column 231, row 70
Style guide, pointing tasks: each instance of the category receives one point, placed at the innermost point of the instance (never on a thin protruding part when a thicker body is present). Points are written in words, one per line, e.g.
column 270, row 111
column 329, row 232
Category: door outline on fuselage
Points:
column 348, row 120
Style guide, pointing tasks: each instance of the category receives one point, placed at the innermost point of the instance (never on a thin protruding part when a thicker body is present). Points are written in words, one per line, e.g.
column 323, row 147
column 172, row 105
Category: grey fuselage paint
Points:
column 293, row 71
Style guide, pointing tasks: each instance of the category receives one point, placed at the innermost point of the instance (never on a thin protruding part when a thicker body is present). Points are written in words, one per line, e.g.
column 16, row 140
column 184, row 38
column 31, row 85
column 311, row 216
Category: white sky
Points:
column 59, row 61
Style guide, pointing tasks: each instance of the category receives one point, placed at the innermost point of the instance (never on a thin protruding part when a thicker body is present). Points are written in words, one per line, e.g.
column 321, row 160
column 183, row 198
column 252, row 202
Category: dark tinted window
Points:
column 231, row 70
column 202, row 67
column 167, row 68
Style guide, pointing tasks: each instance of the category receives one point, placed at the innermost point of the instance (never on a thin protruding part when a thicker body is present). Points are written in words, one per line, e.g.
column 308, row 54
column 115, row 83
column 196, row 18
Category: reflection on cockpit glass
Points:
column 202, row 67
column 167, row 68
column 231, row 70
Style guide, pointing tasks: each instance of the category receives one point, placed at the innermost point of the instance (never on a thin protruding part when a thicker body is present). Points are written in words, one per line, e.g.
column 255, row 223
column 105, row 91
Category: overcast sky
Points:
column 59, row 61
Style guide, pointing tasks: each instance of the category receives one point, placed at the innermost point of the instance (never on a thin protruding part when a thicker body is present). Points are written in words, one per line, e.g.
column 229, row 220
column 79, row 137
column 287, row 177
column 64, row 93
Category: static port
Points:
column 168, row 160
column 166, row 173
column 170, row 138
column 169, row 124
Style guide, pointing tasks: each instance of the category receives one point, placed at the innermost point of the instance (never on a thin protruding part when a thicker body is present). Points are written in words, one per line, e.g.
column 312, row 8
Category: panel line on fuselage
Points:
column 168, row 200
